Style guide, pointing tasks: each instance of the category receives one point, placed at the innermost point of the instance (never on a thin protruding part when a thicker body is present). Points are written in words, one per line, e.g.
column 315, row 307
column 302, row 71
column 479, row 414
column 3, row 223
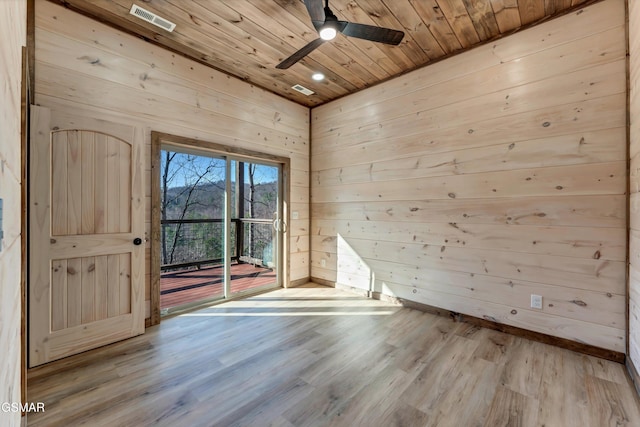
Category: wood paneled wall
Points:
column 493, row 175
column 13, row 20
column 634, row 188
column 85, row 68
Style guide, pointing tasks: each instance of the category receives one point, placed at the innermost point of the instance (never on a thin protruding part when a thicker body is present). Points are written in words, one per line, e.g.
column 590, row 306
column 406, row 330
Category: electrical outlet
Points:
column 536, row 301
column 295, row 215
column 323, row 262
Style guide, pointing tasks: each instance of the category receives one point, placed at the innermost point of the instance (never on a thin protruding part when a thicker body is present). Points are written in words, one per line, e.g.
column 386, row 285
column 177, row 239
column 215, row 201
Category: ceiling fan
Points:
column 328, row 26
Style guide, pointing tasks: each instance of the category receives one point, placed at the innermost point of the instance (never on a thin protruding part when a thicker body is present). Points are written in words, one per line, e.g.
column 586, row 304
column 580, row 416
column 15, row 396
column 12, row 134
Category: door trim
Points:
column 25, row 110
column 158, row 139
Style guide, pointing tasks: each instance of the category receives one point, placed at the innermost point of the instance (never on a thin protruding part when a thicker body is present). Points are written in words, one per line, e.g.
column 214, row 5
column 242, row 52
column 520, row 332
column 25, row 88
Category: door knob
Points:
column 137, row 241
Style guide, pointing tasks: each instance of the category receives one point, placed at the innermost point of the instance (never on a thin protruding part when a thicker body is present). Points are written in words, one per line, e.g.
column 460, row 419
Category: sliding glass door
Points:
column 256, row 214
column 221, row 227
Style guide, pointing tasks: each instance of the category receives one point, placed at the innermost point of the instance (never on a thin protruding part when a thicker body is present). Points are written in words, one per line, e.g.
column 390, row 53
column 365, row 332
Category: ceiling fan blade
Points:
column 310, row 47
column 374, row 34
column 316, row 10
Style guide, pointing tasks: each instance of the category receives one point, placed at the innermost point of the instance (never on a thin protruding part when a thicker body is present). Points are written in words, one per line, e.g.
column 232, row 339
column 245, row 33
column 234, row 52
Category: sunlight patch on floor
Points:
column 289, row 314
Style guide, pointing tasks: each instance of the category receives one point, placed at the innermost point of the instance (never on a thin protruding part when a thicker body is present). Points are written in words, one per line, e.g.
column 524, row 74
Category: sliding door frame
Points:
column 159, row 140
column 279, row 230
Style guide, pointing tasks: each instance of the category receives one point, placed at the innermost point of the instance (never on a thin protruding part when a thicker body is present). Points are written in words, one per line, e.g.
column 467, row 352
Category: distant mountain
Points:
column 207, row 201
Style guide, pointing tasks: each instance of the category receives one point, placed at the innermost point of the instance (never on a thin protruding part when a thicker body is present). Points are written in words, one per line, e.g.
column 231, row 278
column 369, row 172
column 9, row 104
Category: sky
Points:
column 186, row 168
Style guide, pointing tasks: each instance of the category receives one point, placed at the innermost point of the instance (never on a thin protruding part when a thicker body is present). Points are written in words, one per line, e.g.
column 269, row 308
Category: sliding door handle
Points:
column 279, row 225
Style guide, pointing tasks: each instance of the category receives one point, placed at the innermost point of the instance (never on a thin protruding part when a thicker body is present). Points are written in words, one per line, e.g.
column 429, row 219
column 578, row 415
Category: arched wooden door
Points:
column 86, row 281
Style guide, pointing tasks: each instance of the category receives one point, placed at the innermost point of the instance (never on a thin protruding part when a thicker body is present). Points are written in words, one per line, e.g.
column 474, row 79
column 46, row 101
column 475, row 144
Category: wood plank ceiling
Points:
column 248, row 38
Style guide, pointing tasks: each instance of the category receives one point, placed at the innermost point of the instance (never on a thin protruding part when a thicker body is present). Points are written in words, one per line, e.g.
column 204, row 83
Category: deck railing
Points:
column 197, row 242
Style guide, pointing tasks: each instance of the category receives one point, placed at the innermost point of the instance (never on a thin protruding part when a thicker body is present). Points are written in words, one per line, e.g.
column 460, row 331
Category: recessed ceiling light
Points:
column 317, row 76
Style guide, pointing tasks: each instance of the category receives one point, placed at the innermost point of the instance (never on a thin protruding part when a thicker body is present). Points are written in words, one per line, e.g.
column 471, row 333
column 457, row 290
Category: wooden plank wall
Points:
column 85, row 68
column 493, row 175
column 13, row 22
column 634, row 188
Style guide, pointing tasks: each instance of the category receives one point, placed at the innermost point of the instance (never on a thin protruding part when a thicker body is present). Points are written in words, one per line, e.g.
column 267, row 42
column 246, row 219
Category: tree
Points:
column 261, row 202
column 193, row 187
column 252, row 209
column 193, row 171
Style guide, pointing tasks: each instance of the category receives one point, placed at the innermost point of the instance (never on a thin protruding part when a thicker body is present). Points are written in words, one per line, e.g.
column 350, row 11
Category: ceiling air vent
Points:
column 152, row 18
column 302, row 89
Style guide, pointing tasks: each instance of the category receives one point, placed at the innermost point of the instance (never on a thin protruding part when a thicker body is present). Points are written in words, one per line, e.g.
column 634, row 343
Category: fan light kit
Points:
column 328, row 26
column 317, row 77
column 328, row 33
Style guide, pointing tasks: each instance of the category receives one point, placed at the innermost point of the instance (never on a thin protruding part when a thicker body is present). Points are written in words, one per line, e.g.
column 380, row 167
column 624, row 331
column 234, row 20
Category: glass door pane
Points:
column 256, row 222
column 221, row 231
column 192, row 188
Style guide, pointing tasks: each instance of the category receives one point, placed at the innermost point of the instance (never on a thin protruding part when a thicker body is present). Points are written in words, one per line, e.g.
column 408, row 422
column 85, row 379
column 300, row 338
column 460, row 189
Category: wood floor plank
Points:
column 563, row 405
column 385, row 389
column 439, row 374
column 523, row 369
column 318, row 356
column 608, row 405
column 470, row 396
column 601, row 369
column 493, row 345
column 405, row 415
column 510, row 408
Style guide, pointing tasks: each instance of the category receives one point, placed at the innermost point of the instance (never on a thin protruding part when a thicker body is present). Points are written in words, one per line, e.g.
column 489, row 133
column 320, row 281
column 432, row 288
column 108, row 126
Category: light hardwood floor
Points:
column 317, row 356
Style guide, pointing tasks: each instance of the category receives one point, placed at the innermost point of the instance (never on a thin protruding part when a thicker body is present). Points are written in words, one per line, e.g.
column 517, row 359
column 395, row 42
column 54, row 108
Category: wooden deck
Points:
column 187, row 286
